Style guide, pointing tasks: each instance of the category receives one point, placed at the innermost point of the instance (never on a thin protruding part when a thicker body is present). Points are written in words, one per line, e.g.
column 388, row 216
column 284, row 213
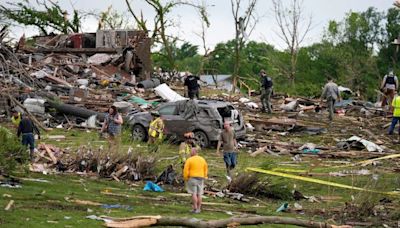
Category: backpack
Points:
column 267, row 83
column 390, row 80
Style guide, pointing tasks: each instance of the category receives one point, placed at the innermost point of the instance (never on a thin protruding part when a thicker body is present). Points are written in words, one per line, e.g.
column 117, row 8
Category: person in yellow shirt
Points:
column 194, row 173
column 156, row 132
column 16, row 118
column 396, row 114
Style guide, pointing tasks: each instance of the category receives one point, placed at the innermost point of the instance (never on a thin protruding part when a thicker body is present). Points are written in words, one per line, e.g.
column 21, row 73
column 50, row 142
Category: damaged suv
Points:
column 202, row 117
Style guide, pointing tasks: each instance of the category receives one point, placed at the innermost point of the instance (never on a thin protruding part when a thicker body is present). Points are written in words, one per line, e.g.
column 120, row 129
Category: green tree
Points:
column 53, row 18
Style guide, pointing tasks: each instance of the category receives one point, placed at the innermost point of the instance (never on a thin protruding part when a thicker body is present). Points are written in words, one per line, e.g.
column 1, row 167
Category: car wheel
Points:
column 201, row 139
column 139, row 133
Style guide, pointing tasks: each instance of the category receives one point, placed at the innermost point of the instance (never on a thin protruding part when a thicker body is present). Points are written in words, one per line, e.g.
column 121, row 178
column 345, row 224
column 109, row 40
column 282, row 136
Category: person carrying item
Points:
column 27, row 129
column 331, row 94
column 156, row 132
column 194, row 173
column 112, row 126
column 396, row 114
column 192, row 86
column 228, row 140
column 266, row 92
column 389, row 87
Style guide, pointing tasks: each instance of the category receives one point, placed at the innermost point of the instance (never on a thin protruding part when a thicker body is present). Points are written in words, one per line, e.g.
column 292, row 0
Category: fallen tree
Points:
column 145, row 221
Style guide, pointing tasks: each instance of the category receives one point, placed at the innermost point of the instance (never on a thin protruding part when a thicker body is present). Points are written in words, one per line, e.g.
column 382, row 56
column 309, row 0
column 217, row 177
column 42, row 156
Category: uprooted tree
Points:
column 51, row 19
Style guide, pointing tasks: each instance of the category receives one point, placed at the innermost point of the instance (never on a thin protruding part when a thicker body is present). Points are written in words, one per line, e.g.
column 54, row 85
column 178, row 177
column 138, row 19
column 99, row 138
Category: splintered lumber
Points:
column 9, row 205
column 196, row 223
column 50, row 153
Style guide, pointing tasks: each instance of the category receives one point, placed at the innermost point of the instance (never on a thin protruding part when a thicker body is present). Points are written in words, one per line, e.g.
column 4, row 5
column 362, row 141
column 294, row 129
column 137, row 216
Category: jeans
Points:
column 230, row 159
column 394, row 122
column 28, row 140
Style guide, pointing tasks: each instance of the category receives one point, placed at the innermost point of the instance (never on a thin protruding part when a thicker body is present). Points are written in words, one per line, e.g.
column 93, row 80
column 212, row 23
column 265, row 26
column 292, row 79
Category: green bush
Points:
column 12, row 153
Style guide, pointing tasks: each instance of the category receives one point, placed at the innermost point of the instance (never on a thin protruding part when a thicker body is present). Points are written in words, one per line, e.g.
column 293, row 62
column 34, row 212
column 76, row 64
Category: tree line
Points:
column 356, row 51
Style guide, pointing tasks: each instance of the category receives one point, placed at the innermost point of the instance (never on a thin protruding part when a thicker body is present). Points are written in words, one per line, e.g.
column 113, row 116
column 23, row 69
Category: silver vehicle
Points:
column 204, row 118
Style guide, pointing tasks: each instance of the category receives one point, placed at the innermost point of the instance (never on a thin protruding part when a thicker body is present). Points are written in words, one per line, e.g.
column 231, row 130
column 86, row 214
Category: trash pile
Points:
column 85, row 160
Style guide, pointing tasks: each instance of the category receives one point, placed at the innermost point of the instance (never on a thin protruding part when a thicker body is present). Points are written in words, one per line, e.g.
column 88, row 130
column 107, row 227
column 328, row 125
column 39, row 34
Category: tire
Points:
column 201, row 139
column 139, row 133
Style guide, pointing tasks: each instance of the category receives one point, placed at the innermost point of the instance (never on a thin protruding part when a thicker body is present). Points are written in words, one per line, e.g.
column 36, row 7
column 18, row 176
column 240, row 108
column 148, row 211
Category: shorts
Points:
column 28, row 140
column 195, row 185
column 230, row 159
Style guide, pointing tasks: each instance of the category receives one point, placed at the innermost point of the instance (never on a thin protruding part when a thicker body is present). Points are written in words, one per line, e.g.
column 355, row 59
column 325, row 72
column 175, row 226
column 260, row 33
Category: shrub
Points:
column 12, row 153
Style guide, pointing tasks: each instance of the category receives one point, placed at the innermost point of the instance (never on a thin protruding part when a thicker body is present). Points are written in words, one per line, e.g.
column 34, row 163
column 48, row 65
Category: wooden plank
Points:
column 77, row 50
column 50, row 153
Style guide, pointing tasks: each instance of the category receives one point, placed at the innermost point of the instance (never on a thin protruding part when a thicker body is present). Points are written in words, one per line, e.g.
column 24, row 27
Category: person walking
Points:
column 389, row 87
column 266, row 92
column 27, row 129
column 194, row 173
column 396, row 114
column 192, row 87
column 112, row 126
column 156, row 132
column 228, row 140
column 331, row 94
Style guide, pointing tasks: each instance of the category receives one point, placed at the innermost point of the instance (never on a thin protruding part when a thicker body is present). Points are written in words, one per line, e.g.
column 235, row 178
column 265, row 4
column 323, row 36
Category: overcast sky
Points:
column 187, row 21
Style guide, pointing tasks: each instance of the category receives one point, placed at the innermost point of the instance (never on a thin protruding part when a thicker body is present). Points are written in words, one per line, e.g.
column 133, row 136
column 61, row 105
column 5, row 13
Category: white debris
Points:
column 371, row 147
column 167, row 93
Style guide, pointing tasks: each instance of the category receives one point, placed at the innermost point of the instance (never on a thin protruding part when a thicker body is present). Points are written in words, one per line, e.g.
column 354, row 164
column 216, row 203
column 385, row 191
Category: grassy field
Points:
column 55, row 200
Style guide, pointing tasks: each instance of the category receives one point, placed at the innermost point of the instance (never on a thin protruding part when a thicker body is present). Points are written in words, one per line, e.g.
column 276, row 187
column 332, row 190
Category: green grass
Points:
column 40, row 204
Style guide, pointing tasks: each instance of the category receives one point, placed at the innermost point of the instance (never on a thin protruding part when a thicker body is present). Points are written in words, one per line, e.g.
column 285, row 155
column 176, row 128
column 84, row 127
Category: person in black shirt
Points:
column 192, row 86
column 26, row 128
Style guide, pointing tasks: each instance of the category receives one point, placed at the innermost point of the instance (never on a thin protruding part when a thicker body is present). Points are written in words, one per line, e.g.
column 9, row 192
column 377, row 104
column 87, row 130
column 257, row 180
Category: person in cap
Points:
column 156, row 131
column 266, row 92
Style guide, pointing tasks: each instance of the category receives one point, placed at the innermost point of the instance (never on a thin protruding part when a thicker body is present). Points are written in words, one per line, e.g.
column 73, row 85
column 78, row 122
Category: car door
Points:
column 170, row 116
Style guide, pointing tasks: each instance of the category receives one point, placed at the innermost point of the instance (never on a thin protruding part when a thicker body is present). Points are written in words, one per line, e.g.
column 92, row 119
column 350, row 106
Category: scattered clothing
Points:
column 150, row 186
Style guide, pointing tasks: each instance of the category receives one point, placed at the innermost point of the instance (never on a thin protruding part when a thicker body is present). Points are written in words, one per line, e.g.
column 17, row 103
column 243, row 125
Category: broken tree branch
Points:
column 195, row 223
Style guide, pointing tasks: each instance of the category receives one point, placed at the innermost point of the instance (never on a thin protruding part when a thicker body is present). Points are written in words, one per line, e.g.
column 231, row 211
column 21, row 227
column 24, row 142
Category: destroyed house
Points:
column 132, row 45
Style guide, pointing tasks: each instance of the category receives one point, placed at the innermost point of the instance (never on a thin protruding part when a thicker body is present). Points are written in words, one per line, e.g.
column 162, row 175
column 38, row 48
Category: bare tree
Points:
column 244, row 26
column 293, row 29
column 397, row 3
column 161, row 22
column 111, row 19
column 202, row 34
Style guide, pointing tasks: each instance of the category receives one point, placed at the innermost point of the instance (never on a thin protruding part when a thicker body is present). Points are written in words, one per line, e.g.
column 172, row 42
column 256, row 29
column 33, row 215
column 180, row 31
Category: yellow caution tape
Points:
column 317, row 181
column 362, row 163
